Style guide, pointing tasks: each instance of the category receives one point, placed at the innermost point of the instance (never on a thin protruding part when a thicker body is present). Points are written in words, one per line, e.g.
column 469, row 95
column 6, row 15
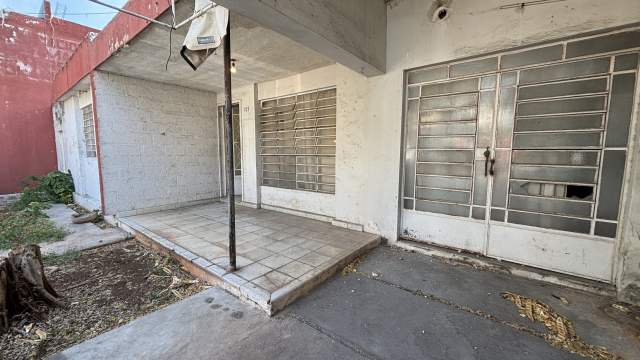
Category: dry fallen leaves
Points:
column 352, row 267
column 562, row 333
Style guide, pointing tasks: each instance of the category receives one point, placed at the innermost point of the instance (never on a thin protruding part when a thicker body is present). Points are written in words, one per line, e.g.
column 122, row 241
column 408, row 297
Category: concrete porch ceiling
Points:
column 261, row 55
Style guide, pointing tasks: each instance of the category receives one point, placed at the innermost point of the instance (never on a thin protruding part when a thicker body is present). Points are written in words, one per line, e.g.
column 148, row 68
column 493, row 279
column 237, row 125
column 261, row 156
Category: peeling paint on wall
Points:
column 33, row 50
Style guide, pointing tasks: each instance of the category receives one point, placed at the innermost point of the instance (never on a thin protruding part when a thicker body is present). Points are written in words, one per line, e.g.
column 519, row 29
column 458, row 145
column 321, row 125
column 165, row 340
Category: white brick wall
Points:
column 158, row 143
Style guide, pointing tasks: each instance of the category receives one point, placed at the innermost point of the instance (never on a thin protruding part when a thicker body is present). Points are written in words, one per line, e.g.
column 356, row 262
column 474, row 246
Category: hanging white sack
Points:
column 205, row 34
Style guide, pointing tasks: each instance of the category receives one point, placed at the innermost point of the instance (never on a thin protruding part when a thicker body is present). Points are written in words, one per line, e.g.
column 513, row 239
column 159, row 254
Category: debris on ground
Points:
column 81, row 212
column 84, row 218
column 352, row 267
column 620, row 307
column 103, row 288
column 561, row 331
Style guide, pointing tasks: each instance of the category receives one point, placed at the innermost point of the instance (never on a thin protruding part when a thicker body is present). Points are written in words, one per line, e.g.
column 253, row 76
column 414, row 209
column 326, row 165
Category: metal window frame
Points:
column 89, row 131
column 289, row 153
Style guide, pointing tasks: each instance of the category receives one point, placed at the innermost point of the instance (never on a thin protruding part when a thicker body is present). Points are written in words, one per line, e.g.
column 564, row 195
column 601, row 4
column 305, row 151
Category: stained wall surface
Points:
column 32, row 50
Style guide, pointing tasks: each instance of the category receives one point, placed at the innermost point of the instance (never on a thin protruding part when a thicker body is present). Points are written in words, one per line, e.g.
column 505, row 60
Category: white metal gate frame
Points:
column 631, row 148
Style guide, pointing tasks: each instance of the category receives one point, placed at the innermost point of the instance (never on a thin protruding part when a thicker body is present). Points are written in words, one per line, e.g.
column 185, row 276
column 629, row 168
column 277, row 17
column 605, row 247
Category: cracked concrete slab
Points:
column 414, row 307
column 592, row 314
column 391, row 323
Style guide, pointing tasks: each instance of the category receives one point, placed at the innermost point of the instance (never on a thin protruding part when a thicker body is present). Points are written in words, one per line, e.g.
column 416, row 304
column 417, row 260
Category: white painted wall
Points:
column 351, row 160
column 305, row 201
column 347, row 205
column 474, row 27
column 158, row 144
column 71, row 150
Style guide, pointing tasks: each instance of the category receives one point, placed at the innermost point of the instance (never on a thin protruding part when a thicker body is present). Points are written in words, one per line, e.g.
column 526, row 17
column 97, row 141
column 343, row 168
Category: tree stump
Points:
column 24, row 288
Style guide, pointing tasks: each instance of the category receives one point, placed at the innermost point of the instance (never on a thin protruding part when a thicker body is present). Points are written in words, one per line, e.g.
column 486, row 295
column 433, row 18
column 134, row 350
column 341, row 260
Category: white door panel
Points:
column 469, row 234
column 581, row 256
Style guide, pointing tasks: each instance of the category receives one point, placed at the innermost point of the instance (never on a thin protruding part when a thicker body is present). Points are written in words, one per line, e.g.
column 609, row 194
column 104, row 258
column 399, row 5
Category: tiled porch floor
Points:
column 279, row 256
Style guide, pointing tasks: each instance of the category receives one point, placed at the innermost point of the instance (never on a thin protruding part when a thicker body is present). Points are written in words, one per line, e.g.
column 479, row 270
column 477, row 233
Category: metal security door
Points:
column 448, row 137
column 521, row 156
column 561, row 141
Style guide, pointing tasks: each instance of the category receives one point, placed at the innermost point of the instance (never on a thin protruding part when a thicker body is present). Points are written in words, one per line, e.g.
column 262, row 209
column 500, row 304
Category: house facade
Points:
column 505, row 131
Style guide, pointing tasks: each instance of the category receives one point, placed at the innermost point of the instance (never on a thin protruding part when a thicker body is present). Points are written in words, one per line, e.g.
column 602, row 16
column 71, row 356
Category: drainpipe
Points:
column 229, row 130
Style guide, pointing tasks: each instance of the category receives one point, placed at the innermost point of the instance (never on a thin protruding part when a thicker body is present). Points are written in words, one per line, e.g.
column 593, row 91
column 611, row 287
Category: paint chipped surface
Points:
column 32, row 51
column 24, row 68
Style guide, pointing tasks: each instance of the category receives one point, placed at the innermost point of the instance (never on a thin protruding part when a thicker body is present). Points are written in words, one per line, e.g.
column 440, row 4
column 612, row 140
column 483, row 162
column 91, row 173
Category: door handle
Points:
column 486, row 154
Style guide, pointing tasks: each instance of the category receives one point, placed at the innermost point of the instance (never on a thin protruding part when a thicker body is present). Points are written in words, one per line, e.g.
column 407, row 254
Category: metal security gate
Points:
column 521, row 155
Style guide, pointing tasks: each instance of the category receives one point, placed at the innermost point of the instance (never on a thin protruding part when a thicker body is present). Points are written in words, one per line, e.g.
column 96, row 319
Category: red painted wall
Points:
column 32, row 51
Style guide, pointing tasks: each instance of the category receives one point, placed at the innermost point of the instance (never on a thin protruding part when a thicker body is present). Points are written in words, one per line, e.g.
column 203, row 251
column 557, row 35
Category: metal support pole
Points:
column 229, row 130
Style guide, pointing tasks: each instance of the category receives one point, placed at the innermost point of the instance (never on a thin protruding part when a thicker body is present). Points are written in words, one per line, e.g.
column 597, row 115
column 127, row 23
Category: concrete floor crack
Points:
column 337, row 338
column 431, row 297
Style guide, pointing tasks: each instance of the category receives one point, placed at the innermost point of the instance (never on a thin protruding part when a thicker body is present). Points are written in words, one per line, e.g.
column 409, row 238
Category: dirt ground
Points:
column 103, row 288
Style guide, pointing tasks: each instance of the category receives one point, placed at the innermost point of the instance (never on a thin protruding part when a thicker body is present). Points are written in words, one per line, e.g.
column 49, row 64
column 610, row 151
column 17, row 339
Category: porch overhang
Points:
column 352, row 33
column 270, row 41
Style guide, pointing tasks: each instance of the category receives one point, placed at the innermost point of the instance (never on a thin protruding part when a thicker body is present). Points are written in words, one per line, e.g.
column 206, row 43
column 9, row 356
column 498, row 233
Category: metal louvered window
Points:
column 89, row 131
column 298, row 141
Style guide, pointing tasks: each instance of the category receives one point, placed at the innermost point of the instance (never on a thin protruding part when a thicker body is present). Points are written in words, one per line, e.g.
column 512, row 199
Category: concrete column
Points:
column 351, row 165
column 628, row 256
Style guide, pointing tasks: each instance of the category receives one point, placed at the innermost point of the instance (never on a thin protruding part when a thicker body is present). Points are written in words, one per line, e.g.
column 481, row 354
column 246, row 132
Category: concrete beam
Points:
column 352, row 33
column 93, row 52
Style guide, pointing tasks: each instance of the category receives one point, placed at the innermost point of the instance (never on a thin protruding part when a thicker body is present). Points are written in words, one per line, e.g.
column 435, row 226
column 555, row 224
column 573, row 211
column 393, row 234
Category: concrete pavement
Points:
column 399, row 305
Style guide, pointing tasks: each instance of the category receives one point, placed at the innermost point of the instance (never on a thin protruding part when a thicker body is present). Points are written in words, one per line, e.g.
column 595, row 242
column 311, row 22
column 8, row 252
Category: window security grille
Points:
column 89, row 131
column 298, row 141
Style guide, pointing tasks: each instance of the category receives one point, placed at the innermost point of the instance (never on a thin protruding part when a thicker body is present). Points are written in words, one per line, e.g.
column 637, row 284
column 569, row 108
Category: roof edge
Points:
column 91, row 53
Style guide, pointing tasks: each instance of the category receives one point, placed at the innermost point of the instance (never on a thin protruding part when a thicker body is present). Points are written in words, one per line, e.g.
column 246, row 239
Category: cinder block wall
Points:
column 158, row 144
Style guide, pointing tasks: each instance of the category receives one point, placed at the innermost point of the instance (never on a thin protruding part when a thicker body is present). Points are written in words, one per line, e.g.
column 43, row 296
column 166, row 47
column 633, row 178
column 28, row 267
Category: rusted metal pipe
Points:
column 226, row 45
